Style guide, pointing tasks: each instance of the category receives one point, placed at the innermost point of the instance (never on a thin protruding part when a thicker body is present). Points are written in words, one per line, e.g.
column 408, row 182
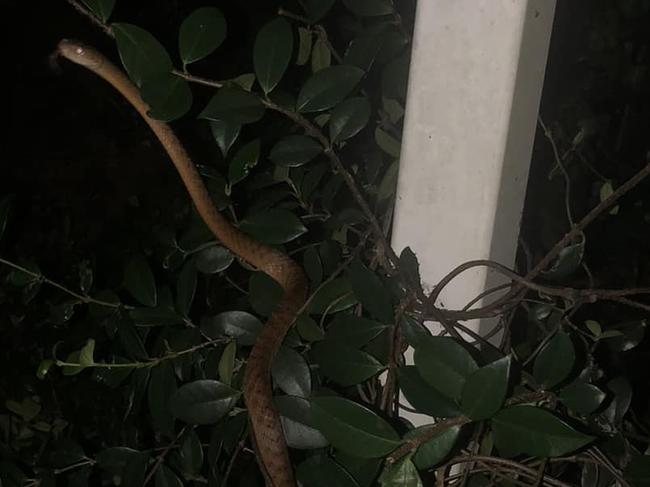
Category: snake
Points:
column 266, row 428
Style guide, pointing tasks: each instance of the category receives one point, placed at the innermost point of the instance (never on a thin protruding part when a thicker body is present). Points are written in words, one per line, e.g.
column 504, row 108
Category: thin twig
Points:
column 81, row 297
column 92, row 17
column 161, row 458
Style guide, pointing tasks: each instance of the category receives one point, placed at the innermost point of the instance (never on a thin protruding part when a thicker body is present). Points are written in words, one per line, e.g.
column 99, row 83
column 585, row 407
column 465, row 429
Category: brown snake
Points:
column 265, row 423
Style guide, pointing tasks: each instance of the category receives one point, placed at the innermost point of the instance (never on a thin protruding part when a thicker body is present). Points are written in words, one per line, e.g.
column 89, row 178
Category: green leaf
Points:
column 203, row 401
column 304, row 46
column 534, row 431
column 345, row 365
column 353, row 428
column 165, row 477
column 169, row 97
column 191, row 452
column 274, row 226
column 444, row 364
column 363, row 49
column 386, row 190
column 295, row 150
column 227, row 363
column 234, row 106
column 422, row 396
column 622, row 391
column 127, row 465
column 568, row 260
column 242, row 326
column 142, row 55
column 19, row 278
column 101, row 8
column 485, row 390
column 213, row 259
column 201, row 33
column 581, row 397
column 414, row 331
column 291, row 372
column 606, row 190
column 113, row 377
column 85, row 274
column 353, row 331
column 321, row 56
column 369, row 8
column 555, row 361
column 400, row 474
column 313, row 267
column 297, row 423
column 27, row 409
column 61, row 313
column 44, row 368
column 162, row 387
column 393, row 109
column 630, row 334
column 371, row 292
column 328, row 87
column 389, row 144
column 434, row 451
column 364, row 470
column 332, row 297
column 87, row 353
column 322, row 471
column 349, row 118
column 394, row 76
column 638, row 471
column 316, row 9
column 185, row 288
column 158, row 316
column 225, row 134
column 140, row 282
column 272, row 53
column 264, row 293
column 5, row 206
column 244, row 160
column 130, row 339
column 309, row 329
column 410, row 268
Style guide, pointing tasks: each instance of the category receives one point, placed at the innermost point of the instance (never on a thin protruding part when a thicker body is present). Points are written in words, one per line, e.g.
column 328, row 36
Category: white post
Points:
column 477, row 71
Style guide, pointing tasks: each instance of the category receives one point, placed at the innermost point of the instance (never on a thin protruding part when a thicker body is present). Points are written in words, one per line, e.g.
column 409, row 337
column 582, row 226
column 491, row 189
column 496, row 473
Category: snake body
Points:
column 265, row 423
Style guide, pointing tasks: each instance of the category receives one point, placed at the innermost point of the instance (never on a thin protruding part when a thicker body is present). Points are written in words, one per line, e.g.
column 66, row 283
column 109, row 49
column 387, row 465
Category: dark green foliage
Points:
column 128, row 364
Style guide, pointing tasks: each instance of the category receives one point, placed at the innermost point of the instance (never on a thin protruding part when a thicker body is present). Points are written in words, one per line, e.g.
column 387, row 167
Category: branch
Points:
column 81, row 297
column 436, row 429
column 106, row 29
column 495, row 308
column 161, row 458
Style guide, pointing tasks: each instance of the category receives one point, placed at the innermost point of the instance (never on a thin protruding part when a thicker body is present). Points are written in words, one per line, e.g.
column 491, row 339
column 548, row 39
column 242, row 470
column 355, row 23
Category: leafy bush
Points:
column 304, row 158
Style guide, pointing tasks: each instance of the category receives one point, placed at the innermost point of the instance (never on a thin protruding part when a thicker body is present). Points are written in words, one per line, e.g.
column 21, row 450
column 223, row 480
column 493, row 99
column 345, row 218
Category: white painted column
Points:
column 476, row 76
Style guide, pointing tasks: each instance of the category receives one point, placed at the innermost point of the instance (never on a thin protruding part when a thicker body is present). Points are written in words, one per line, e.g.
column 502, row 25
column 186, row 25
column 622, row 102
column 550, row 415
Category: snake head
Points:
column 77, row 52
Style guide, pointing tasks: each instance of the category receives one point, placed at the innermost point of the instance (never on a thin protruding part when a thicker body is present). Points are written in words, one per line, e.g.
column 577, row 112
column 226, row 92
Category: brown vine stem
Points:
column 495, row 308
column 388, row 392
column 437, row 428
column 510, row 464
column 161, row 458
column 81, row 297
column 197, row 79
column 106, row 29
column 388, row 258
column 603, row 206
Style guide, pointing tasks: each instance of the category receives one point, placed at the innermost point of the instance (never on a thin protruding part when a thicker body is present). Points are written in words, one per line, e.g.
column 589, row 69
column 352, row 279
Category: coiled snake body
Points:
column 265, row 423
